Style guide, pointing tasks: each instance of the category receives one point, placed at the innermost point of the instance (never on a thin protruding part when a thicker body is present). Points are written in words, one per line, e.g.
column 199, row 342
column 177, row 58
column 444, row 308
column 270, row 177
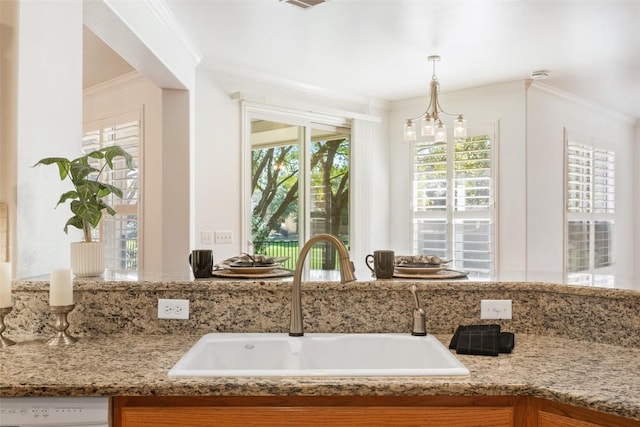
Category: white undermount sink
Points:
column 271, row 354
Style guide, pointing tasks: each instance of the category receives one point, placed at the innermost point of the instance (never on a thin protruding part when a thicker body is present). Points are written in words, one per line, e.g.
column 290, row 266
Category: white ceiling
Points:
column 378, row 48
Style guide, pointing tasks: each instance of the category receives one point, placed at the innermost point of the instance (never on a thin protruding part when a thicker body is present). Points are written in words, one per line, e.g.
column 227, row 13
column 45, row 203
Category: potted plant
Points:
column 87, row 204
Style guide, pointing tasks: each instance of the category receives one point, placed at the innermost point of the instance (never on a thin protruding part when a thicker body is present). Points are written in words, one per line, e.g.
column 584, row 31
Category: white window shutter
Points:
column 453, row 201
column 590, row 196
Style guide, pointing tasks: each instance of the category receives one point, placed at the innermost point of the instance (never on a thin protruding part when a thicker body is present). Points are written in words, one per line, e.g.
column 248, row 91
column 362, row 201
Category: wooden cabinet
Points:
column 314, row 411
column 548, row 419
column 309, row 411
column 553, row 414
column 316, row 416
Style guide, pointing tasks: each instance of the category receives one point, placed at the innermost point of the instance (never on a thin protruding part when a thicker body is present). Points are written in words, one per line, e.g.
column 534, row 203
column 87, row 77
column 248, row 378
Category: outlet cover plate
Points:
column 173, row 308
column 223, row 237
column 495, row 309
column 206, row 237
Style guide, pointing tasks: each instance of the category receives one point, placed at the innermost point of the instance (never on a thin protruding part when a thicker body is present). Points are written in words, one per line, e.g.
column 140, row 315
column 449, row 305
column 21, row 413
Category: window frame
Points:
column 450, row 214
column 590, row 214
column 100, row 125
column 308, row 121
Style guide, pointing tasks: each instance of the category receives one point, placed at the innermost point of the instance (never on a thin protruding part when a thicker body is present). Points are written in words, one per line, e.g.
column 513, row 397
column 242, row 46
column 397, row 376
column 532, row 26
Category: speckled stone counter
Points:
column 575, row 345
column 602, row 315
column 596, row 376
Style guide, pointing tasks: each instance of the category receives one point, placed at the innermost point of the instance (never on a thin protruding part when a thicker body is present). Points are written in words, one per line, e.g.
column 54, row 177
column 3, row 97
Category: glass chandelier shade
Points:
column 409, row 131
column 430, row 123
column 460, row 127
column 441, row 133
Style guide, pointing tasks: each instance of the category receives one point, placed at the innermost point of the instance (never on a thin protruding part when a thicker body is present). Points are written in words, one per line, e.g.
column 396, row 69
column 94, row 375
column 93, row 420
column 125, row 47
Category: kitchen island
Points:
column 569, row 346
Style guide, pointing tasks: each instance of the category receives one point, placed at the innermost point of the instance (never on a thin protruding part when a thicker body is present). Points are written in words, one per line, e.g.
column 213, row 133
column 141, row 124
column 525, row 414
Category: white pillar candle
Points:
column 61, row 287
column 5, row 285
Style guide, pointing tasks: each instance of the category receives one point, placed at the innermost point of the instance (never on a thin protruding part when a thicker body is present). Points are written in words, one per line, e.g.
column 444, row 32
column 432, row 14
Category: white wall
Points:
column 165, row 161
column 8, row 112
column 216, row 165
column 147, row 37
column 42, row 117
column 549, row 112
column 49, row 116
column 530, row 193
column 218, row 153
column 636, row 222
column 130, row 93
column 175, row 169
column 49, row 123
column 501, row 104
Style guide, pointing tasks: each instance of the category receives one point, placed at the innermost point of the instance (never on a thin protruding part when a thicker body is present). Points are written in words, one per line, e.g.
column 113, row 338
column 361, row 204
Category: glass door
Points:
column 299, row 188
column 275, row 188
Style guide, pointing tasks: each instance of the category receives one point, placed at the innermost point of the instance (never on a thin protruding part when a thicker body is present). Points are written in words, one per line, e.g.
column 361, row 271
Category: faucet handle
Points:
column 419, row 316
column 419, row 323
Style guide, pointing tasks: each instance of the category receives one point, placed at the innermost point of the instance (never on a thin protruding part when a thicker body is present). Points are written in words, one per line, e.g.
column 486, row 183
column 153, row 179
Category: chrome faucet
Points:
column 346, row 275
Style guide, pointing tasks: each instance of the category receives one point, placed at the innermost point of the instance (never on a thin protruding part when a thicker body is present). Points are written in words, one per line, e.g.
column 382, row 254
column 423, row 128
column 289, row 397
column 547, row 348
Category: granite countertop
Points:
column 597, row 376
column 574, row 344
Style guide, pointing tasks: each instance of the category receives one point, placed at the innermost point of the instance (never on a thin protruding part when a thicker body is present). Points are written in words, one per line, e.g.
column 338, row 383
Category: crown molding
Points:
column 168, row 20
column 262, row 101
column 243, row 74
column 550, row 90
column 510, row 86
column 120, row 82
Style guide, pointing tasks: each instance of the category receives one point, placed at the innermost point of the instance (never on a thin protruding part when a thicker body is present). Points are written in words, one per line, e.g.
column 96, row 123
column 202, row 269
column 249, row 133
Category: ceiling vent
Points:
column 540, row 74
column 304, row 4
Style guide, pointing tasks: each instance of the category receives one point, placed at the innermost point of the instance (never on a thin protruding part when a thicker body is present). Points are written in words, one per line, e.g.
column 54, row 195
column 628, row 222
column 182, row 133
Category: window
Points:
column 300, row 187
column 590, row 195
column 119, row 233
column 453, row 201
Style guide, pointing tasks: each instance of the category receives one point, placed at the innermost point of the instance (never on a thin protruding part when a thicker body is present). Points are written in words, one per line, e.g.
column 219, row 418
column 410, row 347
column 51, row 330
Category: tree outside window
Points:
column 279, row 179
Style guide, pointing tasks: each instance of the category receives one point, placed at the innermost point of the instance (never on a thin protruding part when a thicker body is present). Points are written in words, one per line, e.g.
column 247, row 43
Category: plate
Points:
column 251, row 264
column 421, row 265
column 442, row 274
column 251, row 270
column 274, row 273
column 413, row 269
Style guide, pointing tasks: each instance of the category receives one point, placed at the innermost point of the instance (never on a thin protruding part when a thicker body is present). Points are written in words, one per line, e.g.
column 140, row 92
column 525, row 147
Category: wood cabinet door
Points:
column 553, row 414
column 310, row 416
column 547, row 419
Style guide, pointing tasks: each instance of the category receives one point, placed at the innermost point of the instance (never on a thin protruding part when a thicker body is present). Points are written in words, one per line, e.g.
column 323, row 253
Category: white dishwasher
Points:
column 54, row 411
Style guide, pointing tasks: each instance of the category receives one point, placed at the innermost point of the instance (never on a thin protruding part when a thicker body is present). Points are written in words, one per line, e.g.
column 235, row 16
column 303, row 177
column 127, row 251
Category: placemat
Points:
column 278, row 272
column 442, row 274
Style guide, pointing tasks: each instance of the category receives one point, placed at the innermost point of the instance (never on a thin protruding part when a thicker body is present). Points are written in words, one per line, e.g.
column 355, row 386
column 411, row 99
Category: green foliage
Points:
column 86, row 199
column 275, row 187
column 471, row 169
column 275, row 173
column 291, row 249
column 260, row 233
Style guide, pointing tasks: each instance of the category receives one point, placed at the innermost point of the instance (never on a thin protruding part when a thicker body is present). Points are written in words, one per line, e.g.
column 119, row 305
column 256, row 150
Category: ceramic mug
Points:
column 383, row 263
column 201, row 261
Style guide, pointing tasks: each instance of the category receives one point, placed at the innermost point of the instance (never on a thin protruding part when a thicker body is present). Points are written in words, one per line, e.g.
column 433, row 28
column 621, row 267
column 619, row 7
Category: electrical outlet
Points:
column 495, row 309
column 173, row 308
column 206, row 238
column 223, row 237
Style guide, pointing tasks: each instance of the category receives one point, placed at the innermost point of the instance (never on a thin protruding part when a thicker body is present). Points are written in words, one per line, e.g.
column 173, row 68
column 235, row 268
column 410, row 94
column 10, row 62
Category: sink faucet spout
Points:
column 346, row 275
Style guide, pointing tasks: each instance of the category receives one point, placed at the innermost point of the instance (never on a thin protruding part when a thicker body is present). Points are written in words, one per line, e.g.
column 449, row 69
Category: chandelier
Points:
column 430, row 122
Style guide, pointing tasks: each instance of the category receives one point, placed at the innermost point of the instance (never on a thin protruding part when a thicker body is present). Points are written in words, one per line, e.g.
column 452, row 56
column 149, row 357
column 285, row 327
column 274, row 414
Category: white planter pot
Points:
column 87, row 258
